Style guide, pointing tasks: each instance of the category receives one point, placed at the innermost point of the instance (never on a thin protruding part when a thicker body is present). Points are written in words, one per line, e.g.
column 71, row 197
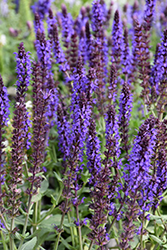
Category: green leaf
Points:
column 85, row 177
column 135, row 241
column 20, row 236
column 42, row 234
column 58, row 177
column 69, row 224
column 150, row 229
column 61, row 247
column 52, row 221
column 67, row 245
column 44, row 186
column 53, row 200
column 30, row 244
column 36, row 197
column 156, row 239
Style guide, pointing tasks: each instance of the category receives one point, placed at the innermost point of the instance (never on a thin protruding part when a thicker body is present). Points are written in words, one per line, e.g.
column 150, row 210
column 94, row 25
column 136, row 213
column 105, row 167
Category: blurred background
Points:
column 16, row 25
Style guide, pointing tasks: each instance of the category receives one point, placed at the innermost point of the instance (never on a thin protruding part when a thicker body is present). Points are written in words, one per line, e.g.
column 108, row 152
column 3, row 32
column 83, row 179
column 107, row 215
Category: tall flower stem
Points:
column 35, row 217
column 26, row 222
column 3, row 241
column 71, row 229
column 10, row 235
column 79, row 230
column 141, row 234
column 91, row 244
column 61, row 226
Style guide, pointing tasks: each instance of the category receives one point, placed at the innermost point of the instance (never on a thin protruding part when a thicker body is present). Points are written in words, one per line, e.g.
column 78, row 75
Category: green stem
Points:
column 141, row 235
column 10, row 235
column 79, row 230
column 71, row 229
column 4, row 222
column 35, row 216
column 61, row 225
column 3, row 241
column 39, row 210
column 26, row 222
column 91, row 244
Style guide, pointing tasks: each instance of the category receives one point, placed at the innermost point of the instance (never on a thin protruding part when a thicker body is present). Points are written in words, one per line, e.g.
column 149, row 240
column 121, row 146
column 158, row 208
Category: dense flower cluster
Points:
column 82, row 84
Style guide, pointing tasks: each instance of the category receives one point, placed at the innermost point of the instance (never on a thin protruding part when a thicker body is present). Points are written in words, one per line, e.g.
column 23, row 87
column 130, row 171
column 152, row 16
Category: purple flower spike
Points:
column 149, row 14
column 100, row 188
column 40, row 104
column 20, row 132
column 23, row 69
column 41, row 7
column 67, row 29
column 97, row 17
column 93, row 153
column 4, row 117
column 140, row 163
column 4, row 103
column 117, row 40
column 125, row 108
column 55, row 44
column 80, row 106
column 126, row 57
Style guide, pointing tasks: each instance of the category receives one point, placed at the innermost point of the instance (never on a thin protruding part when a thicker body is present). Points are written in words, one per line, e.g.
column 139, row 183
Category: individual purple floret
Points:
column 41, row 7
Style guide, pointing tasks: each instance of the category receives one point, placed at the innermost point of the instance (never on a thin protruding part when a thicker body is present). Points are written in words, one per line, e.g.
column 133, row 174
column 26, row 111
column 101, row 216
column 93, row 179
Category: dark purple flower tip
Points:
column 64, row 10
